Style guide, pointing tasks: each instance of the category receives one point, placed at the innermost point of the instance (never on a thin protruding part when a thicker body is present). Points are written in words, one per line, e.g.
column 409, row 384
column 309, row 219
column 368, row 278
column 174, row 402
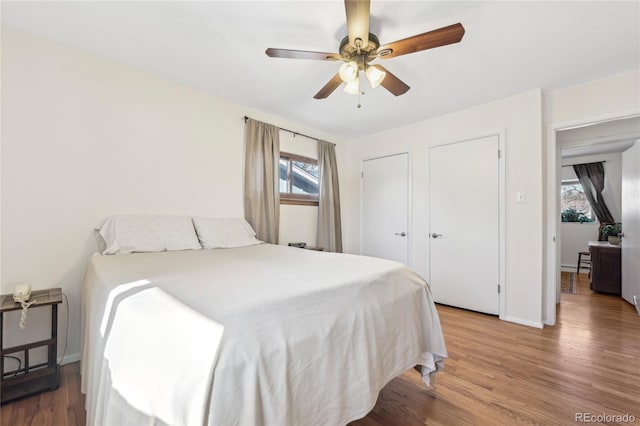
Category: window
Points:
column 574, row 205
column 298, row 180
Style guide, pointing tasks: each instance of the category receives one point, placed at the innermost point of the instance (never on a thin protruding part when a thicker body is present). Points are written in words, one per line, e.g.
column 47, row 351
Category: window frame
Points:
column 290, row 197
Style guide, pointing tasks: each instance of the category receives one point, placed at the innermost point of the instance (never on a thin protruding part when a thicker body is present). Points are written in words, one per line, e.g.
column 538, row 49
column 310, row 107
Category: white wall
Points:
column 298, row 224
column 83, row 138
column 594, row 99
column 575, row 238
column 520, row 117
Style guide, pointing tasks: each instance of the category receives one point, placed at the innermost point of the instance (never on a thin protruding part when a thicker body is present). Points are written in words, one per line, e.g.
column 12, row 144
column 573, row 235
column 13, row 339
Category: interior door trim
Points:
column 502, row 209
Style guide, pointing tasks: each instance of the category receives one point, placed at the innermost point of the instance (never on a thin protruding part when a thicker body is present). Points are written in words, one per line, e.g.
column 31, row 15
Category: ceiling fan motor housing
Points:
column 351, row 53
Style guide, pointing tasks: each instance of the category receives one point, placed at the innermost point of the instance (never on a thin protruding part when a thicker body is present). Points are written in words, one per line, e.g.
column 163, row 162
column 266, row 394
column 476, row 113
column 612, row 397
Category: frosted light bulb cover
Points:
column 348, row 71
column 375, row 76
column 353, row 87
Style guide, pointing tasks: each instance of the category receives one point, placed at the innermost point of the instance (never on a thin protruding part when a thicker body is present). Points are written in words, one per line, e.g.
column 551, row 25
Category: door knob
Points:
column 434, row 235
column 402, row 234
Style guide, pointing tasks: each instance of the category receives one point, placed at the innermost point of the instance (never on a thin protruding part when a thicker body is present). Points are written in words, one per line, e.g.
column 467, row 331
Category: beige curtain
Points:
column 261, row 191
column 329, row 224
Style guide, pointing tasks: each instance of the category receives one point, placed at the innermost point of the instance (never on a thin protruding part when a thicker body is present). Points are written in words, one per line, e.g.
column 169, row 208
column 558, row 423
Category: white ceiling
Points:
column 508, row 48
column 606, row 131
column 597, row 148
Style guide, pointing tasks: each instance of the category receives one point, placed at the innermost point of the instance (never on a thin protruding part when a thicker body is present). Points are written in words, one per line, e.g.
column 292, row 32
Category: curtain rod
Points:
column 580, row 164
column 294, row 133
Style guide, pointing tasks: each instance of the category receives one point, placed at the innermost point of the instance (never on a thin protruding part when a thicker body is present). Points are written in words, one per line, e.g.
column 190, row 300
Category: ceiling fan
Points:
column 359, row 48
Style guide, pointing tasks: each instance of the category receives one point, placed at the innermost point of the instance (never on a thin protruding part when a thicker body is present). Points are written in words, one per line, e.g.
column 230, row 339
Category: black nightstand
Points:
column 30, row 379
column 305, row 246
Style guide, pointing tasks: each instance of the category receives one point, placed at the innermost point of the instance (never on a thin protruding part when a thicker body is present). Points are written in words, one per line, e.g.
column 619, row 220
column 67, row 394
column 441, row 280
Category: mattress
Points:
column 258, row 335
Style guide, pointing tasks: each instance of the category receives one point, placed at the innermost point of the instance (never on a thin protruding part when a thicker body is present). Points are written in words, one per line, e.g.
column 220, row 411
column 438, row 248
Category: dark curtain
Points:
column 591, row 177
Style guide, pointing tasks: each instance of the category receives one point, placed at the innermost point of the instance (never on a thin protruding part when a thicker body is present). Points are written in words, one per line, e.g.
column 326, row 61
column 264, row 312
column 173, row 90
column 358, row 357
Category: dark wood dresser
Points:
column 606, row 268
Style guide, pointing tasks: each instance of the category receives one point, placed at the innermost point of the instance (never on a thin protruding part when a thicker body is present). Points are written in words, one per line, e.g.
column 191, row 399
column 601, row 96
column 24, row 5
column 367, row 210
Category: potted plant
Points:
column 612, row 231
column 572, row 215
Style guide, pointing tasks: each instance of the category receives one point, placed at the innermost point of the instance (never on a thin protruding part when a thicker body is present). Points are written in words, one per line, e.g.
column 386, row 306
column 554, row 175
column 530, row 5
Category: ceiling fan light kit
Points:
column 348, row 71
column 352, row 87
column 375, row 76
column 359, row 48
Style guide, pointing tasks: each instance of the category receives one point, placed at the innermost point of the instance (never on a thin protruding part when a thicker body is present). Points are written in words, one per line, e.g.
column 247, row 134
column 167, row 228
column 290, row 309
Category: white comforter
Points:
column 256, row 335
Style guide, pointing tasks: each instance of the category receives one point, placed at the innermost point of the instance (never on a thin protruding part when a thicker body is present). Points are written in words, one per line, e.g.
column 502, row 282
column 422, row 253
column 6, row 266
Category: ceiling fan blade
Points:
column 391, row 82
column 357, row 21
column 302, row 54
column 429, row 40
column 329, row 87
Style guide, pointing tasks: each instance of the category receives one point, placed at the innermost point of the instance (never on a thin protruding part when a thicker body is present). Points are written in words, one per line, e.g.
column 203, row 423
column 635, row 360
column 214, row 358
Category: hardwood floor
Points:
column 497, row 373
column 503, row 373
column 61, row 407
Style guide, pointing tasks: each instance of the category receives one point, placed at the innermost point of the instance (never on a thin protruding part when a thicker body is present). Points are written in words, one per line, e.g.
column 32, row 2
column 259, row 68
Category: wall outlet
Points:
column 521, row 197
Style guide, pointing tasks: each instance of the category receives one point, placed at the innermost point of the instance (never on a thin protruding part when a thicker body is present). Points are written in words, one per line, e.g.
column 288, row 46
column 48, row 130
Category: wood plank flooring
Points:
column 61, row 407
column 500, row 373
column 497, row 373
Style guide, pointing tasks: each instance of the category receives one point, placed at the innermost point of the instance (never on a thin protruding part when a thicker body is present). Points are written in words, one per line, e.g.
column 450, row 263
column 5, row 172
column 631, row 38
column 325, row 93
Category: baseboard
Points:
column 568, row 268
column 572, row 268
column 536, row 324
column 69, row 358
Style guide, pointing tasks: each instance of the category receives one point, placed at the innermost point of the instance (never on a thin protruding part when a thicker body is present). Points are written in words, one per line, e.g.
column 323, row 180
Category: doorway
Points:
column 577, row 143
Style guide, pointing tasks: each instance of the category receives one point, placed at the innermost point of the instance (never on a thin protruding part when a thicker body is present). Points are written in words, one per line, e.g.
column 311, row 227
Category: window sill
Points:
column 298, row 201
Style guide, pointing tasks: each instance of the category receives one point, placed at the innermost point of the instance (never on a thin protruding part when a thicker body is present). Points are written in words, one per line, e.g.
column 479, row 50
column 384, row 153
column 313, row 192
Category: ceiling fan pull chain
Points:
column 359, row 91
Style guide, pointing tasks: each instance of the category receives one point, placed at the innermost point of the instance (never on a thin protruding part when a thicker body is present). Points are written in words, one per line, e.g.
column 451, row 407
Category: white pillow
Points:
column 224, row 232
column 144, row 233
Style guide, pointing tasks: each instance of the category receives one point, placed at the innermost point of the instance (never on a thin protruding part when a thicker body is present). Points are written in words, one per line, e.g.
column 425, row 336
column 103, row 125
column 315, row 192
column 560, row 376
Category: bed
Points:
column 262, row 334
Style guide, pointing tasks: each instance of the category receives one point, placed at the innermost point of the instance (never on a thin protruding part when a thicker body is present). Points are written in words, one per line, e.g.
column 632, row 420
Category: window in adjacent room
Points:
column 298, row 180
column 574, row 206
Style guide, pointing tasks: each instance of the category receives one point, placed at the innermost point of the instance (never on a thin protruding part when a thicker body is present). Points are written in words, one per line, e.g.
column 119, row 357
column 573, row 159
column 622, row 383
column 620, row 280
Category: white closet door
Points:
column 464, row 224
column 385, row 199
